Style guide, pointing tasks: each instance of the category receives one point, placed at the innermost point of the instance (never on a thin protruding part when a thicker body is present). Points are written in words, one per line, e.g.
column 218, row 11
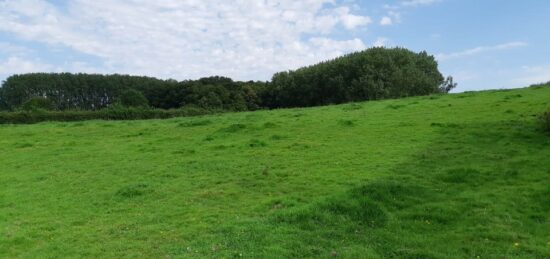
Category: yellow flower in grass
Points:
column 516, row 244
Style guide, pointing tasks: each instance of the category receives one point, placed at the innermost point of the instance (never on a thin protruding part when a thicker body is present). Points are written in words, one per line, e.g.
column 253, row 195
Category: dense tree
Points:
column 92, row 92
column 376, row 73
column 38, row 103
column 133, row 98
column 373, row 74
column 71, row 91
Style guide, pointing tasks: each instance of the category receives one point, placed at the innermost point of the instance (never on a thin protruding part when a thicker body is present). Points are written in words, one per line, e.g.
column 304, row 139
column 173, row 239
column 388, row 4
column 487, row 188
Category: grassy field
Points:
column 454, row 176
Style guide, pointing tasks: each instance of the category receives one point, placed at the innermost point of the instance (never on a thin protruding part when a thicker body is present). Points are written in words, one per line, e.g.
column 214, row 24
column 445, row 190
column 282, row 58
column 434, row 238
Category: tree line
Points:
column 66, row 91
column 372, row 74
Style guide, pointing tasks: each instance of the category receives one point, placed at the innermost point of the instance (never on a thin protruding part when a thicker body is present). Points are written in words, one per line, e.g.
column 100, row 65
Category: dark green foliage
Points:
column 38, row 103
column 113, row 113
column 211, row 93
column 133, row 98
column 70, row 91
column 94, row 92
column 540, row 85
column 447, row 85
column 376, row 73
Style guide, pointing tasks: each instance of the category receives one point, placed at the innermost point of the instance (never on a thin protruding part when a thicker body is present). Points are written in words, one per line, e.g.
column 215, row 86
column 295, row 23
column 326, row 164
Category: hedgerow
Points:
column 115, row 113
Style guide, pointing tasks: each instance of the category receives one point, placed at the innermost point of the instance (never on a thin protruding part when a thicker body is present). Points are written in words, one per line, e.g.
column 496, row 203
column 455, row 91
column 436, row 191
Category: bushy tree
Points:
column 37, row 103
column 447, row 85
column 376, row 73
column 133, row 98
column 93, row 92
column 72, row 91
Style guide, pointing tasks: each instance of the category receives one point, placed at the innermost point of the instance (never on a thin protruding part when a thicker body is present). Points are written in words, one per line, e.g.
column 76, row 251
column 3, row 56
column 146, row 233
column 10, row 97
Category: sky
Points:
column 483, row 44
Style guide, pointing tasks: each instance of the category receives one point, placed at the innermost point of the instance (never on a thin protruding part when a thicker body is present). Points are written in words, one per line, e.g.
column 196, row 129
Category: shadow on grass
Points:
column 477, row 190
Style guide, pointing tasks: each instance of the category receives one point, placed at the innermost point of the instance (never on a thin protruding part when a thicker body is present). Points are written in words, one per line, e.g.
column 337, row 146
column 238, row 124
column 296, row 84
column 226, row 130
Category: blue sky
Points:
column 483, row 44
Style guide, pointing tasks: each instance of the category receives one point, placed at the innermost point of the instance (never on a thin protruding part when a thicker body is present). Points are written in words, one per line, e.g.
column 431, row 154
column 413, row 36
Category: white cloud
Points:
column 16, row 59
column 385, row 21
column 395, row 16
column 188, row 39
column 481, row 49
column 351, row 21
column 534, row 75
column 411, row 3
column 18, row 65
column 414, row 3
column 394, row 10
column 381, row 42
column 13, row 50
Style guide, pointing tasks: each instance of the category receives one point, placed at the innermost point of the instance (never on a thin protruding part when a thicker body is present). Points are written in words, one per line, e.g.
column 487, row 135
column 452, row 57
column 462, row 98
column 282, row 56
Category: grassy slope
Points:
column 461, row 175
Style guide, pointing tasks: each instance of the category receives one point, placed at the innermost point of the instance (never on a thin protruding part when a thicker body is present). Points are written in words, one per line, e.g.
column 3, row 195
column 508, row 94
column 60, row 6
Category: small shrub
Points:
column 38, row 103
column 540, row 85
column 447, row 85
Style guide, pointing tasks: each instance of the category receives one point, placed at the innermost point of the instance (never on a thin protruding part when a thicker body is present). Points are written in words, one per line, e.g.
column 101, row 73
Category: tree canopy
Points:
column 376, row 73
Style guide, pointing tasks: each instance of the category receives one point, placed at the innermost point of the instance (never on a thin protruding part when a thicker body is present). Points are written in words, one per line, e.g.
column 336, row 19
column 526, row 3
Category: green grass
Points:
column 454, row 176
